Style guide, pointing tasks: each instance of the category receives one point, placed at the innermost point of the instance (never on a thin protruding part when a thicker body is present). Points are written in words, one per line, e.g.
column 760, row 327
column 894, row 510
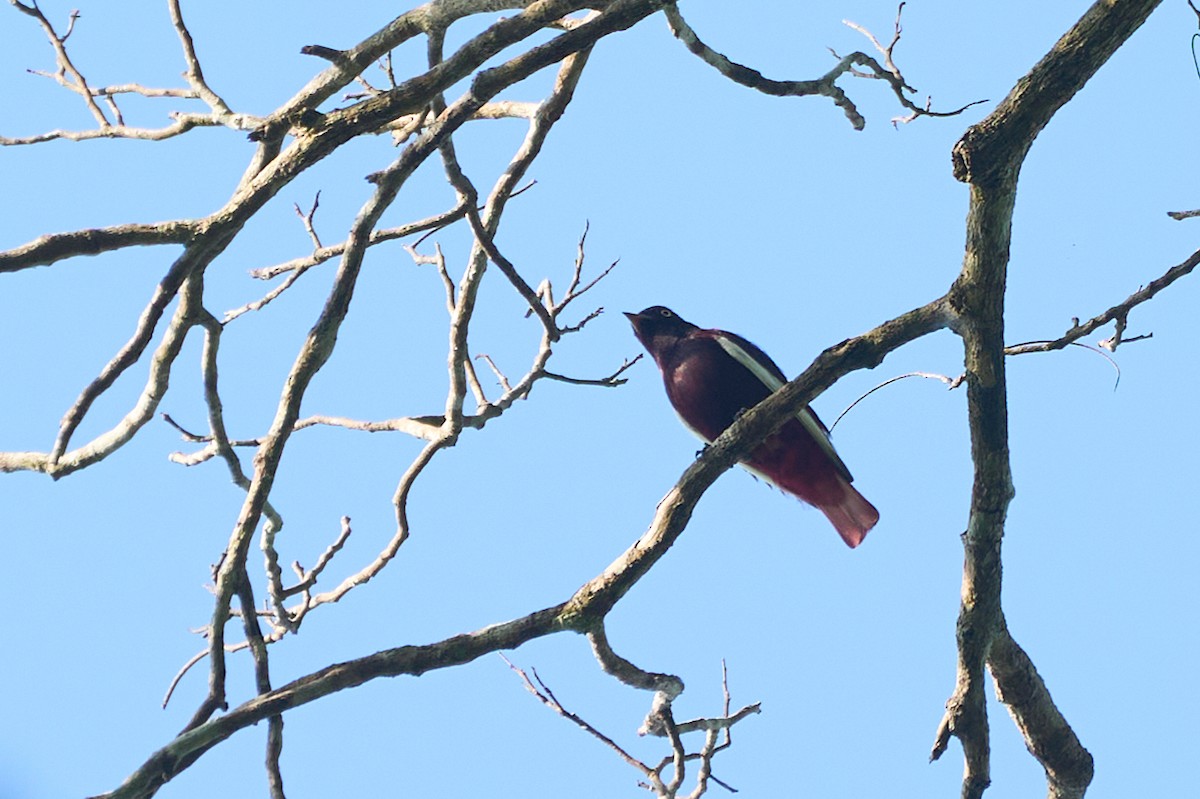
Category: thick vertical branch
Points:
column 977, row 299
column 988, row 158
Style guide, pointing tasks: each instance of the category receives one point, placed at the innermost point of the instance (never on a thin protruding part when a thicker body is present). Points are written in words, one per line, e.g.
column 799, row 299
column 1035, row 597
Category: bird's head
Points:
column 658, row 327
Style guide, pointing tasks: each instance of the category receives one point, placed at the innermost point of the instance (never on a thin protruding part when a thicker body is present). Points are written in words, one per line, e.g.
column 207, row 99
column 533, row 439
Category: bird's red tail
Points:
column 853, row 516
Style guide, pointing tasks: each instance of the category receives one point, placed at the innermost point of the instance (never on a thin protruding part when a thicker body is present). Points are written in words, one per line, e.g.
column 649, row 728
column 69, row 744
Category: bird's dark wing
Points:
column 761, row 365
column 749, row 355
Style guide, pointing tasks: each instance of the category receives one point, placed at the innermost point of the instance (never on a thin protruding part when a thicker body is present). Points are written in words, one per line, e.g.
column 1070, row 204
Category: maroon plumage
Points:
column 711, row 376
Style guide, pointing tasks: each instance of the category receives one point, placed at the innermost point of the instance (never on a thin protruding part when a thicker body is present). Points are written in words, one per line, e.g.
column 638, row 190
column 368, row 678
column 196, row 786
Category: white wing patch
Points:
column 773, row 384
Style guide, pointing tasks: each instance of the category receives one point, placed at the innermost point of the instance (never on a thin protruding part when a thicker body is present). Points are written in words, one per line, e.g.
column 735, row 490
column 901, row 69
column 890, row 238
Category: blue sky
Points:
column 769, row 217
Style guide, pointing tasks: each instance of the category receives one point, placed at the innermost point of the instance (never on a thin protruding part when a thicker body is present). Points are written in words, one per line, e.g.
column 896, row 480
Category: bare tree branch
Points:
column 1118, row 313
column 825, row 86
column 988, row 158
column 46, row 250
column 547, row 697
column 1069, row 767
column 194, row 74
column 67, row 75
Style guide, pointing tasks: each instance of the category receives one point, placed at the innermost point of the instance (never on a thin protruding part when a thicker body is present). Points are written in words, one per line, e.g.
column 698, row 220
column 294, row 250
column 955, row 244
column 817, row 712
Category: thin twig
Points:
column 611, row 381
column 951, row 382
column 306, row 217
column 503, row 380
column 194, row 74
column 1037, row 346
column 67, row 74
column 1118, row 313
column 825, row 85
column 547, row 698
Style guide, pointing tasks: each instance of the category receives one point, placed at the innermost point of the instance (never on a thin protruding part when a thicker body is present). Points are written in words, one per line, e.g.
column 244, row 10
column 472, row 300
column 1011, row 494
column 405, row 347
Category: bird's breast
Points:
column 708, row 388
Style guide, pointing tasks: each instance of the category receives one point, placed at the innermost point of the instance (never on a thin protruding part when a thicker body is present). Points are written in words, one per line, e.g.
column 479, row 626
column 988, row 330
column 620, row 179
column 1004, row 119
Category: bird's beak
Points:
column 636, row 321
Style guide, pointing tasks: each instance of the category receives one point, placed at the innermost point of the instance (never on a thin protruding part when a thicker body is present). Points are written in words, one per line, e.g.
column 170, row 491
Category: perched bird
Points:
column 712, row 376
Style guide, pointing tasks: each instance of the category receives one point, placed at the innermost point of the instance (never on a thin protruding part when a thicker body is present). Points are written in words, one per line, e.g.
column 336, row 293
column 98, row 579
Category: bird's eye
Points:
column 666, row 313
